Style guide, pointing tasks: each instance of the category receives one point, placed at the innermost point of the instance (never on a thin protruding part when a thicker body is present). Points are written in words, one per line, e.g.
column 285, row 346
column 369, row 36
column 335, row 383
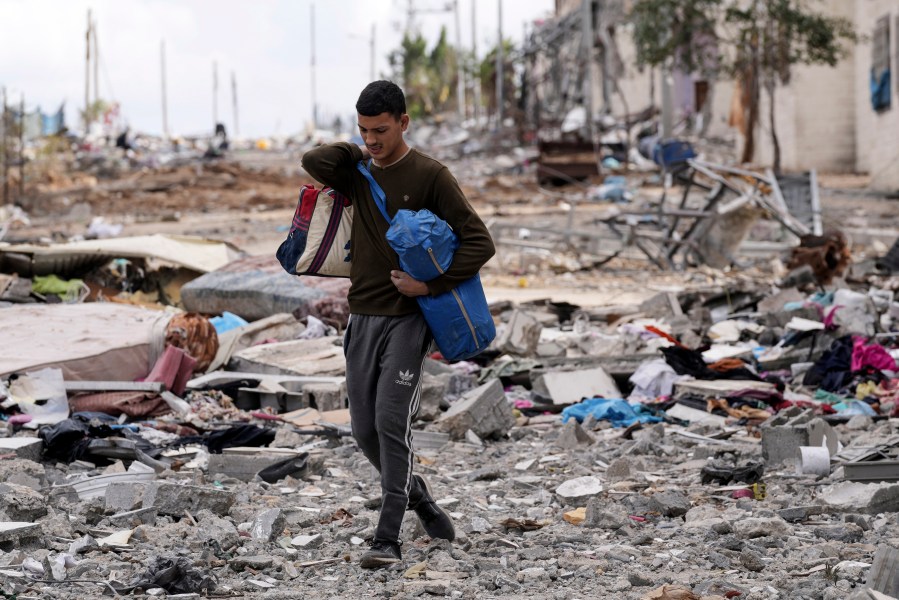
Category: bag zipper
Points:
column 458, row 298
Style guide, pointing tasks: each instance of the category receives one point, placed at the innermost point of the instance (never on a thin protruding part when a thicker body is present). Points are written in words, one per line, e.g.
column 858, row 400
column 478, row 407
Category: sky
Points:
column 265, row 43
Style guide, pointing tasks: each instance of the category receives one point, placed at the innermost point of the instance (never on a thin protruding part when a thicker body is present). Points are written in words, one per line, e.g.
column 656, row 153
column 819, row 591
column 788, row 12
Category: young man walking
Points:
column 387, row 338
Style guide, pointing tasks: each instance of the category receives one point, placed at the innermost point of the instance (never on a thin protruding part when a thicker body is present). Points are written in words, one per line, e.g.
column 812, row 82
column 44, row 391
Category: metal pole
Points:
column 87, row 75
column 5, row 152
column 372, row 50
column 215, row 94
column 165, row 111
column 460, row 78
column 476, row 84
column 21, row 149
column 312, row 69
column 234, row 100
column 499, row 70
column 96, row 62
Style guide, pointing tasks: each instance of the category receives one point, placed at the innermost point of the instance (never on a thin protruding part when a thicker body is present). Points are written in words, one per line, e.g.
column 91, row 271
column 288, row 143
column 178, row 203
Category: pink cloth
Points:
column 874, row 356
column 174, row 368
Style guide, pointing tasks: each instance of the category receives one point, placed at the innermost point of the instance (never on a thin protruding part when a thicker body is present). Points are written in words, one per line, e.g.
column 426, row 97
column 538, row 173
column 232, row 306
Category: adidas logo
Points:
column 405, row 378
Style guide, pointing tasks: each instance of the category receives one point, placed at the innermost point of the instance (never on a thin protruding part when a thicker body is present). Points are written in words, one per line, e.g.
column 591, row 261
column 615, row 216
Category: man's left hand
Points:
column 408, row 286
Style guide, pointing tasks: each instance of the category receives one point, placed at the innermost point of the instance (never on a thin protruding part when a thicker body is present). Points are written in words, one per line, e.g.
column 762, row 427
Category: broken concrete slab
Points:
column 579, row 490
column 268, row 525
column 21, row 503
column 520, row 336
column 670, row 503
column 573, row 435
column 24, row 472
column 601, row 514
column 326, row 396
column 243, row 463
column 173, row 499
column 868, row 498
column 782, row 443
column 15, row 533
column 123, row 496
column 569, row 387
column 322, row 356
column 29, row 448
column 484, row 410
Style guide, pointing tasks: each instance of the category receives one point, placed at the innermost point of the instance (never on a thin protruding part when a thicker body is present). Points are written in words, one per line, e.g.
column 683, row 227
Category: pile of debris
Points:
column 174, row 415
column 585, row 453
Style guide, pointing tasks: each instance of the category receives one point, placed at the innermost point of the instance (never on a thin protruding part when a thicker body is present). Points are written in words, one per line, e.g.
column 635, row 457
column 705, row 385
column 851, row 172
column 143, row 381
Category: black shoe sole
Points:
column 377, row 563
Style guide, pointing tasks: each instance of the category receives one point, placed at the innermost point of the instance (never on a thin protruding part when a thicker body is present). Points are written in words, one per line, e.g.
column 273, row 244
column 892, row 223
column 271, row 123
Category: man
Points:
column 387, row 338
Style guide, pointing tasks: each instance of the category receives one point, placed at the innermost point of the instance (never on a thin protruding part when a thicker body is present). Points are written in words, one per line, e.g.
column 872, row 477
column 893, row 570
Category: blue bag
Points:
column 459, row 319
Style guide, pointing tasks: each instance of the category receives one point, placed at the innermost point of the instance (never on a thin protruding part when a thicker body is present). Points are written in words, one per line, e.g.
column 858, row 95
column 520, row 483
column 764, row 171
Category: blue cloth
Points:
column 854, row 407
column 615, row 410
column 226, row 322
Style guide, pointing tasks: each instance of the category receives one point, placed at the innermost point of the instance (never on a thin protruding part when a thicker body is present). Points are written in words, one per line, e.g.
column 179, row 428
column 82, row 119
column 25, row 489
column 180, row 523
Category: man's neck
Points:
column 393, row 162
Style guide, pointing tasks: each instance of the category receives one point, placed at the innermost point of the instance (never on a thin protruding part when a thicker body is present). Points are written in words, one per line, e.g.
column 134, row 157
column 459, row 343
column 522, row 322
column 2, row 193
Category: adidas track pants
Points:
column 384, row 356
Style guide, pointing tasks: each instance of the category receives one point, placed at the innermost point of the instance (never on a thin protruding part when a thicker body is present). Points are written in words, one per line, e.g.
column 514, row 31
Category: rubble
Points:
column 483, row 410
column 653, row 441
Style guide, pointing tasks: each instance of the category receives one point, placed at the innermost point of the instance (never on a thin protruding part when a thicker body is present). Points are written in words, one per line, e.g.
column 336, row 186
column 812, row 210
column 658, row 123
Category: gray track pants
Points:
column 384, row 358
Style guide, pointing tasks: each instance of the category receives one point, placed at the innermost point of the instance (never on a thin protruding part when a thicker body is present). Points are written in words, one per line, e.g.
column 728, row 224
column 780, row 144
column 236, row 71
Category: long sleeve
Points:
column 334, row 165
column 475, row 244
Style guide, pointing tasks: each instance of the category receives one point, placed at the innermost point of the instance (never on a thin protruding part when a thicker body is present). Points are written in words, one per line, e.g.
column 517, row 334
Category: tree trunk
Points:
column 770, row 85
column 752, row 80
column 751, row 120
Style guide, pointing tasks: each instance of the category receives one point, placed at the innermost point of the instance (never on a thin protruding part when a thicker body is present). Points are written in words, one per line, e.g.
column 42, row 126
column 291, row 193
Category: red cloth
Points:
column 134, row 404
column 874, row 356
column 174, row 368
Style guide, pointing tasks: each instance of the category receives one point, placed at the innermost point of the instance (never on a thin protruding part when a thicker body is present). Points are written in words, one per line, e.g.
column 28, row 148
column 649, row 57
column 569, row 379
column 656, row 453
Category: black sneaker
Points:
column 434, row 519
column 380, row 555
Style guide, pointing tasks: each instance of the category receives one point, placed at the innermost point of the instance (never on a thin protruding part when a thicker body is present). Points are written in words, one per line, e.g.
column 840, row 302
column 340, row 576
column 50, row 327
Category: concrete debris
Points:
column 484, row 410
column 175, row 500
column 580, row 490
column 520, row 336
column 29, row 448
column 704, row 395
column 569, row 387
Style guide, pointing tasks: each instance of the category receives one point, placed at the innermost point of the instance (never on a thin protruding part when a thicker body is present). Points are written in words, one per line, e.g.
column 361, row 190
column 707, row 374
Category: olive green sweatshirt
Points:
column 414, row 182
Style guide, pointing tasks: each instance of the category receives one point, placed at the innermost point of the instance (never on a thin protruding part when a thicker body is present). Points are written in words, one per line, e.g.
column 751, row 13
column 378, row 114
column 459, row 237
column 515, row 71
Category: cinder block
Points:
column 122, row 496
column 520, row 335
column 16, row 533
column 244, row 463
column 781, row 442
column 484, row 410
column 29, row 448
column 174, row 500
column 325, row 396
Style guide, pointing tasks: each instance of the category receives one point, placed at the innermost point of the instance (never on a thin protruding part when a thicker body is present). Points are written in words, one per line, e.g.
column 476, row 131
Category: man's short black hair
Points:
column 381, row 97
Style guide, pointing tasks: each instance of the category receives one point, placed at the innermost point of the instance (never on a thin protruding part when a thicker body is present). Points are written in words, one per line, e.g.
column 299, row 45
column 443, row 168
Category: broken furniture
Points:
column 709, row 229
column 880, row 464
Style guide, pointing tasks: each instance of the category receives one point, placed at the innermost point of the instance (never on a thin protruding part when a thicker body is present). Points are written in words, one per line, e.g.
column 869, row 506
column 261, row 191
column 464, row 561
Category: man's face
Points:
column 383, row 136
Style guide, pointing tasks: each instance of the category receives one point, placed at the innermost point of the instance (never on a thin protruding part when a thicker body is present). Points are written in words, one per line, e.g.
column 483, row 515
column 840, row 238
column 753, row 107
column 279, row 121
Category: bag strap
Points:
column 376, row 192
